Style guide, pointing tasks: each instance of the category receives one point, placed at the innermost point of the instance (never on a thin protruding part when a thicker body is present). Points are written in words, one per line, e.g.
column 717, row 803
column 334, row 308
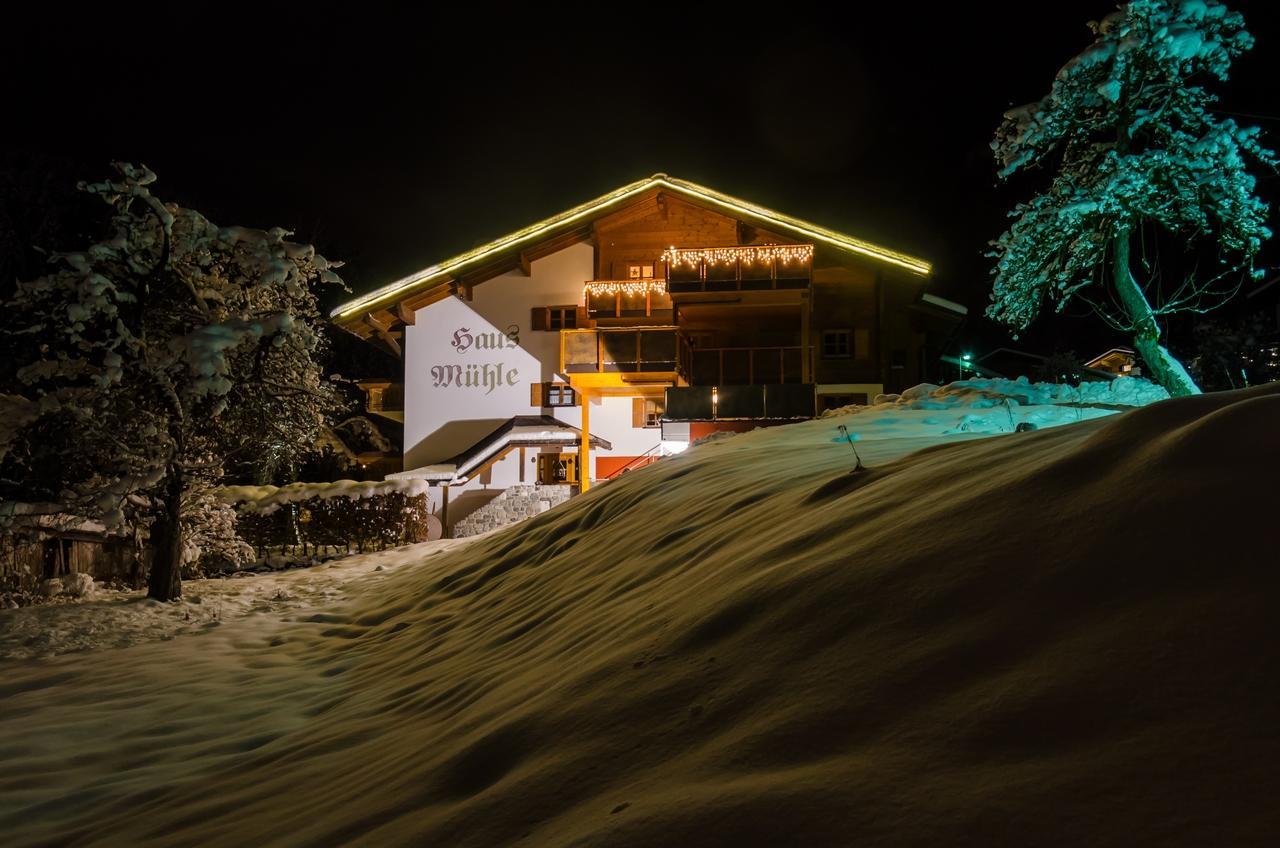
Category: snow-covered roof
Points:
column 1123, row 351
column 524, row 238
column 943, row 303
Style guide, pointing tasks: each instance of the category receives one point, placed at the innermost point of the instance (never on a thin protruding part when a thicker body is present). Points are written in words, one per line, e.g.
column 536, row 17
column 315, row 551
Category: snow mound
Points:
column 1060, row 637
column 990, row 407
column 987, row 393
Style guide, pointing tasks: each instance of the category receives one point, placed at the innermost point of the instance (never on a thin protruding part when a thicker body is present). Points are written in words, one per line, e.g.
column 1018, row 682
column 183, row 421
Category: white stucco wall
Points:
column 611, row 419
column 443, row 418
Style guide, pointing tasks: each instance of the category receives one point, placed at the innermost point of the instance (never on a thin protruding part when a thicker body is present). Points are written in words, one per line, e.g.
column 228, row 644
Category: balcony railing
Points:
column 621, row 349
column 745, row 366
column 639, row 298
column 770, row 401
column 742, row 268
column 384, row 398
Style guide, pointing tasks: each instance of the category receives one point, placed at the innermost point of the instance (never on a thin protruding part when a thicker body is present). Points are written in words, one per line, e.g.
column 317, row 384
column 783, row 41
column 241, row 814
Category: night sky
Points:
column 392, row 141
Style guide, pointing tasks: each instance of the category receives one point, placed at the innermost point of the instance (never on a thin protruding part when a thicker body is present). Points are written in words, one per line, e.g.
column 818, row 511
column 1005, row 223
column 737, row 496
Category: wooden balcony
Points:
column 639, row 298
column 628, row 355
column 767, row 402
column 384, row 398
column 745, row 366
column 741, row 268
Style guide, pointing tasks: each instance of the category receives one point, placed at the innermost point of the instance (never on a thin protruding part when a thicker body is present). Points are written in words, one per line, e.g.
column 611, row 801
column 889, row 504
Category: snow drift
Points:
column 1057, row 637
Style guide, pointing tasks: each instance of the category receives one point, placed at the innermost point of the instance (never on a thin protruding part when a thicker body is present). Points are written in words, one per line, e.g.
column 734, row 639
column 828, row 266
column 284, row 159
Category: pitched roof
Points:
column 520, row 431
column 531, row 234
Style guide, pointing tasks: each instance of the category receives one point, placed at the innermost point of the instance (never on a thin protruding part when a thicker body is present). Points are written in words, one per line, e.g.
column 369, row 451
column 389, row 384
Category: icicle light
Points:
column 627, row 287
column 763, row 253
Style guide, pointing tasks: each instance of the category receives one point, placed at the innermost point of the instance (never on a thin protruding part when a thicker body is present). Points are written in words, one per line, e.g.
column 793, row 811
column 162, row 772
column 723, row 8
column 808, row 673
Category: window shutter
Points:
column 539, row 319
column 862, row 344
column 637, row 412
column 537, row 394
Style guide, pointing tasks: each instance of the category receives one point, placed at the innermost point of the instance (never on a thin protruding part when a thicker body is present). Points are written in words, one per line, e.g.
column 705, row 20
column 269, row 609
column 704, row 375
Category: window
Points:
column 640, row 271
column 646, row 413
column 563, row 318
column 558, row 394
column 555, row 317
column 552, row 394
column 837, row 344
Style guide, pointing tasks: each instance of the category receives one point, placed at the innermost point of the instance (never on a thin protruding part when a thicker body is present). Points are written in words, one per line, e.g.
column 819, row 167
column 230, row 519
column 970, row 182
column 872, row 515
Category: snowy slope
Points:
column 1061, row 637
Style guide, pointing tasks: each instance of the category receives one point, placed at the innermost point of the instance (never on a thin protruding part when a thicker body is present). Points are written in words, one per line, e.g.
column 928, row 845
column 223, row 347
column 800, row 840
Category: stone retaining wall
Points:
column 515, row 504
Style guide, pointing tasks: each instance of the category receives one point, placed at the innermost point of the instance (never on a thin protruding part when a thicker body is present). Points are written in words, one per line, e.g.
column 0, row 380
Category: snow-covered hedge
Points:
column 370, row 515
column 267, row 499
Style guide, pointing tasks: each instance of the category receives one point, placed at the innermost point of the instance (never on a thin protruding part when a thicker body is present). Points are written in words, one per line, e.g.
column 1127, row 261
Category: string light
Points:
column 754, row 253
column 627, row 287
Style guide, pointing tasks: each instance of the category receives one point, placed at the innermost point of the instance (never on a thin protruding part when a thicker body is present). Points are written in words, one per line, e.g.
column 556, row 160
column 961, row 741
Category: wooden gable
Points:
column 640, row 232
column 634, row 223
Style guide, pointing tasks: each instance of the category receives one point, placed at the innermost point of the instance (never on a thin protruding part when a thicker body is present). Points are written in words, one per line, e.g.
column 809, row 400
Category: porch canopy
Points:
column 522, row 431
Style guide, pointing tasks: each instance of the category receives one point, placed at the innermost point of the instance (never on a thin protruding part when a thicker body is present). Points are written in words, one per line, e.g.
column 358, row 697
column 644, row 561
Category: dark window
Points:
column 836, row 344
column 563, row 318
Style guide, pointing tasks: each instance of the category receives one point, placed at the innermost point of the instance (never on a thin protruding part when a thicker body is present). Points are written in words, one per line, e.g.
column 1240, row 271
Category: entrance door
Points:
column 557, row 468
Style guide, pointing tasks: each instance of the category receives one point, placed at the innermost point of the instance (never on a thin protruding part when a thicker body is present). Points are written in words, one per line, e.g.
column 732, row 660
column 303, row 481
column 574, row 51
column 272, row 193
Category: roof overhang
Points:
column 452, row 269
column 523, row 431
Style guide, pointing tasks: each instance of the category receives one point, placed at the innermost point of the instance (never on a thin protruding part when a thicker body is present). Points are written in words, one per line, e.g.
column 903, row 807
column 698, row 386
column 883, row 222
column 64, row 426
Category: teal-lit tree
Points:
column 1137, row 156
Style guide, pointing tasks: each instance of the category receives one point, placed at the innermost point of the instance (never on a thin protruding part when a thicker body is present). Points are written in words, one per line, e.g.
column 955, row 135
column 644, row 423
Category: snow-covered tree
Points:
column 153, row 361
column 1137, row 153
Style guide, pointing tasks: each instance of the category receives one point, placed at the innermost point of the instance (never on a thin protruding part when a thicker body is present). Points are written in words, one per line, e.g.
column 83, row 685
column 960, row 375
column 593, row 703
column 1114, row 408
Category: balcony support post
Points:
column 584, row 445
column 805, row 357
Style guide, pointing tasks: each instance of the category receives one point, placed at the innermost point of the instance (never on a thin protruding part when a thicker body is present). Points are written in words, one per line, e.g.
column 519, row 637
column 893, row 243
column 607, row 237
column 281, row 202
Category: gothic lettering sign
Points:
column 478, row 375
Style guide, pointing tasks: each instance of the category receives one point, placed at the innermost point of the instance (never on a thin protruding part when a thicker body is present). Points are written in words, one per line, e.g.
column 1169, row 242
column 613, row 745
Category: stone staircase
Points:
column 516, row 503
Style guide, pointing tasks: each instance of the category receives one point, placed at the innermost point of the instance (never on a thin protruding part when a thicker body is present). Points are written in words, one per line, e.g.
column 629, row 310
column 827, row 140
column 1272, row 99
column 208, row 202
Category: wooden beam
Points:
column 384, row 334
column 633, row 211
column 404, row 313
column 806, row 354
column 557, row 243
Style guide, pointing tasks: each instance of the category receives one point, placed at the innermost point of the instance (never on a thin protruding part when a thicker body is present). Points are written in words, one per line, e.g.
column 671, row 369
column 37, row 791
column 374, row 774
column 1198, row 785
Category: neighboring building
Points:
column 1120, row 361
column 656, row 314
column 41, row 547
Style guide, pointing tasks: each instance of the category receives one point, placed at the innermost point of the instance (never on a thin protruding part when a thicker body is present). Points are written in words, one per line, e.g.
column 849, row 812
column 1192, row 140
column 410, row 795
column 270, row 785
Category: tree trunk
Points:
column 165, row 581
column 1166, row 369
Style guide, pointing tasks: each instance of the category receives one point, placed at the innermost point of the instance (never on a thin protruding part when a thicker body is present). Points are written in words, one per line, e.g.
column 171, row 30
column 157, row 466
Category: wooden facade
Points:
column 749, row 313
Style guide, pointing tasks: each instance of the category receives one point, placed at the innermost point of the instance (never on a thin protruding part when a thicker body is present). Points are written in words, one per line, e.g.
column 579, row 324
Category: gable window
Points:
column 552, row 394
column 640, row 271
column 837, row 344
column 555, row 318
